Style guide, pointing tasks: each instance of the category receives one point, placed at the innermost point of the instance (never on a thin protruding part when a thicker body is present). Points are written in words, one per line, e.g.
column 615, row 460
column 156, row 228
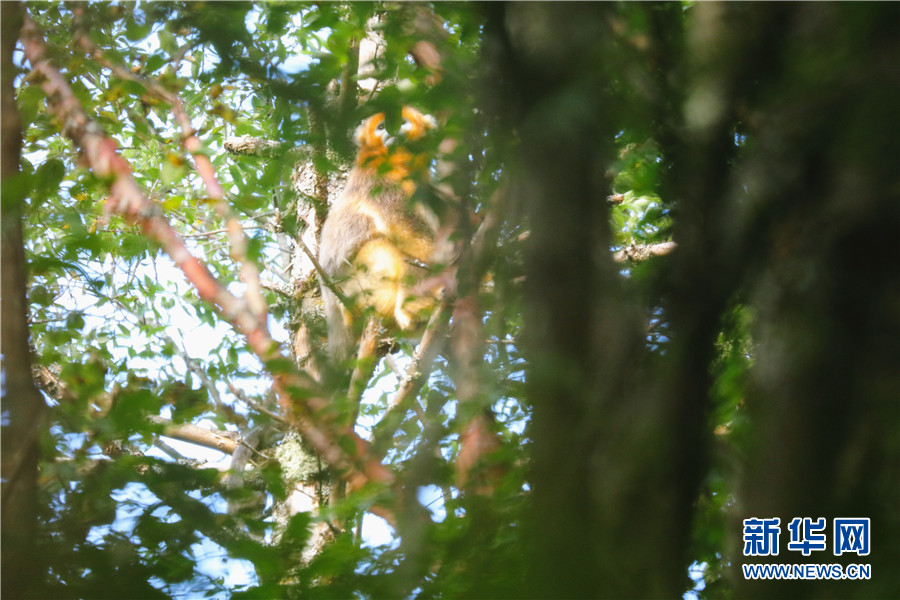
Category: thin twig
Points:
column 256, row 406
column 307, row 411
column 416, row 374
column 238, row 239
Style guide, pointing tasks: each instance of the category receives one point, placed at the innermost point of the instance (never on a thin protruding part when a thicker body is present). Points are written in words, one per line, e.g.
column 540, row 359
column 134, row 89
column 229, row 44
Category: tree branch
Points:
column 223, row 441
column 252, row 146
column 416, row 374
column 249, row 271
column 297, row 392
column 639, row 253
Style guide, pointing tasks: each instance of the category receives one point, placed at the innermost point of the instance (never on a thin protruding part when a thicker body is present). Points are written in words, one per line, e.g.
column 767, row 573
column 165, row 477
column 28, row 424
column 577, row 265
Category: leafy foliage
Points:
column 634, row 393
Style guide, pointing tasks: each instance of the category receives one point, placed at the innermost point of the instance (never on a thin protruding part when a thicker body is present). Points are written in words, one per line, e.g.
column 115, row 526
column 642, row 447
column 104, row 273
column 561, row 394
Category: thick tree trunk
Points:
column 23, row 406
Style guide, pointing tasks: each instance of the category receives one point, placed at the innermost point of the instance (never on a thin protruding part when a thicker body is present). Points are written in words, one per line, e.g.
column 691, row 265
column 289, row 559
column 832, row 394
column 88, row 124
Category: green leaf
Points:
column 172, row 173
column 135, row 31
column 167, row 42
column 154, row 62
column 47, row 179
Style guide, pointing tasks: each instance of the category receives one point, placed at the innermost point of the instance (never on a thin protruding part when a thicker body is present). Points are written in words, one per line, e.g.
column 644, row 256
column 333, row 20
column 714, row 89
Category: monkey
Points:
column 374, row 245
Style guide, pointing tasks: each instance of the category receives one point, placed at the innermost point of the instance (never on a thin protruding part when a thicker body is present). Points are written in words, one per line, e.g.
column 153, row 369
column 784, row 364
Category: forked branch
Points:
column 297, row 392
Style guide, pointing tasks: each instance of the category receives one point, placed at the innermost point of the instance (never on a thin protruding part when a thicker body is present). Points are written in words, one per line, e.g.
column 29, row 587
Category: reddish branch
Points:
column 306, row 410
column 428, row 27
column 477, row 438
column 203, row 166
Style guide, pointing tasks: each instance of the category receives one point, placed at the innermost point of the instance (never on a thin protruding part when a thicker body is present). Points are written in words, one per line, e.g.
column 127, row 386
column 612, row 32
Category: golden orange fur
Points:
column 374, row 245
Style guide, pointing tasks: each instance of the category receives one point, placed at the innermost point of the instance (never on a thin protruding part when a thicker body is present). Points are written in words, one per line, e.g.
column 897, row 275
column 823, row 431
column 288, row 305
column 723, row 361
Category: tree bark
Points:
column 23, row 406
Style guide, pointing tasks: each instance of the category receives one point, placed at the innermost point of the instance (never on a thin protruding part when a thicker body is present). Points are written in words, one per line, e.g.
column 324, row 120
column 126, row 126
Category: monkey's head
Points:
column 388, row 152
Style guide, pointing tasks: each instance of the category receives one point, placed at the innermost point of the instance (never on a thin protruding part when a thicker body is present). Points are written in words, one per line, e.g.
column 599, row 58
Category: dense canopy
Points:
column 665, row 328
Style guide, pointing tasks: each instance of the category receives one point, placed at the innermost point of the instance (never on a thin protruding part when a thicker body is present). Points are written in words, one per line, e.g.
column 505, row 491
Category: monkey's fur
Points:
column 374, row 246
